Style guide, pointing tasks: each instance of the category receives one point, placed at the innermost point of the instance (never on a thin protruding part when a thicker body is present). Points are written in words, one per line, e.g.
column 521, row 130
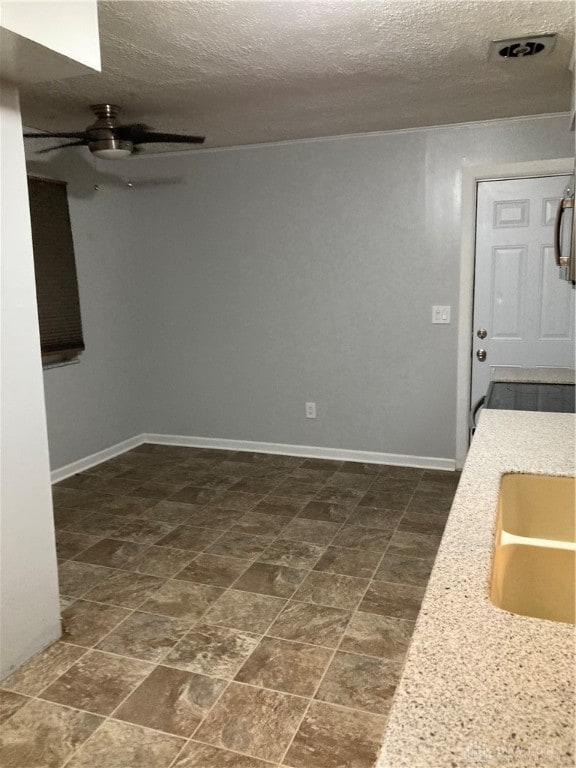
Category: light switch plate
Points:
column 440, row 314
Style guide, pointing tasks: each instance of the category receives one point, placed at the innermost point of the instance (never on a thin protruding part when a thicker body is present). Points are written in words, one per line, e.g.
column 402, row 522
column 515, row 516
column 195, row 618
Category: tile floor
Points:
column 226, row 610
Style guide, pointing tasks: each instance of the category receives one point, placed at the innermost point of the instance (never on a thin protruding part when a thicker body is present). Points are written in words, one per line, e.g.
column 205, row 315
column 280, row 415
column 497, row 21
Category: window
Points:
column 56, row 281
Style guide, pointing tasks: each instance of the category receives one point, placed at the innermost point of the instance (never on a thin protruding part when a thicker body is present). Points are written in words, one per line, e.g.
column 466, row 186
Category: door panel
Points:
column 527, row 311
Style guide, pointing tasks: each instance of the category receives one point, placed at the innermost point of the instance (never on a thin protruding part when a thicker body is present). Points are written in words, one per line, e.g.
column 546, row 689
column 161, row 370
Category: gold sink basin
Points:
column 533, row 571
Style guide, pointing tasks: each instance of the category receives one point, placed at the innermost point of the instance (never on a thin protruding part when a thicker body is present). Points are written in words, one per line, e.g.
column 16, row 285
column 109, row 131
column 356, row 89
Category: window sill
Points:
column 47, row 365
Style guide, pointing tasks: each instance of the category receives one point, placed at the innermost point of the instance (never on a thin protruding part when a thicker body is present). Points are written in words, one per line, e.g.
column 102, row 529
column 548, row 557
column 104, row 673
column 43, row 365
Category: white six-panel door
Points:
column 525, row 309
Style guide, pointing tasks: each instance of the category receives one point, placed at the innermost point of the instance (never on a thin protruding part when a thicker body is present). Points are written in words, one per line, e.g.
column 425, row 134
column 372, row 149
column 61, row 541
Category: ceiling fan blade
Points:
column 131, row 129
column 61, row 146
column 152, row 137
column 64, row 135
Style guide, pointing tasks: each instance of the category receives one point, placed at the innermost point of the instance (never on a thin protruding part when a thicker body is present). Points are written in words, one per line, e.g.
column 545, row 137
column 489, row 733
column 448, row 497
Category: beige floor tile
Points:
column 172, row 512
column 317, row 477
column 171, row 700
column 387, row 498
column 121, row 745
column 359, row 467
column 292, row 488
column 144, row 531
column 70, row 498
column 326, row 511
column 260, row 524
column 219, row 481
column 77, row 578
column 330, row 737
column 111, row 553
column 396, row 600
column 145, row 636
column 422, row 522
column 350, row 480
column 44, row 735
column 193, row 494
column 126, row 589
column 235, row 544
column 217, row 570
column 257, row 485
column 68, row 519
column 214, row 518
column 404, row 570
column 322, row 464
column 360, row 682
column 157, row 489
column 285, row 666
column 307, row 623
column 85, row 623
column 371, row 517
column 313, row 531
column 421, row 502
column 332, row 589
column 239, row 501
column 376, row 635
column 421, row 545
column 212, row 650
column 10, row 703
column 182, row 600
column 163, row 562
column 65, row 601
column 359, row 537
column 99, row 524
column 268, row 579
column 244, row 610
column 278, row 505
column 350, row 562
column 245, row 718
column 42, row 669
column 219, row 548
column 400, row 485
column 348, row 497
column 97, row 682
column 127, row 506
column 69, row 544
column 293, row 553
column 196, row 755
column 389, row 470
column 189, row 537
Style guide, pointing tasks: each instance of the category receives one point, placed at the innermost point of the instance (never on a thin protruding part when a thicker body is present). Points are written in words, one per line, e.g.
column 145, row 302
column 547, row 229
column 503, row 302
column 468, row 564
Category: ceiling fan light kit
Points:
column 109, row 140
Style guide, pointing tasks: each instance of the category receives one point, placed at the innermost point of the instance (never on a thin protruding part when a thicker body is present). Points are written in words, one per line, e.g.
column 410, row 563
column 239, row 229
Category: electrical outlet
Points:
column 440, row 314
column 310, row 410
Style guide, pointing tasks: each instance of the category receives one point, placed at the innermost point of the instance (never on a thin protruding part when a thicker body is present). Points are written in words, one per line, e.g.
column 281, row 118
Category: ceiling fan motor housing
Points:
column 102, row 134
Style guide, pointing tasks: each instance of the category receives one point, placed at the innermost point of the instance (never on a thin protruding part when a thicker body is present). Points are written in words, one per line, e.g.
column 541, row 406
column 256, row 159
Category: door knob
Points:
column 481, row 333
column 481, row 355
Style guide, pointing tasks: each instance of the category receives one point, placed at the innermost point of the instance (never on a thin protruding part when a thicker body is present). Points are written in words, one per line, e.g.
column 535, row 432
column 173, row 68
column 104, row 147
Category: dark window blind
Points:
column 55, row 268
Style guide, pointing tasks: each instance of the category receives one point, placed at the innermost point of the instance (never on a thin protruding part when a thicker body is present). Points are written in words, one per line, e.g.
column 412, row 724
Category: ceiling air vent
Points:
column 521, row 47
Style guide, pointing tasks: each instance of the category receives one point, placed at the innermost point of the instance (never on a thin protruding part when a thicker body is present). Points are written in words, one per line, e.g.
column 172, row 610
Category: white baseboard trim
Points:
column 306, row 451
column 283, row 449
column 95, row 458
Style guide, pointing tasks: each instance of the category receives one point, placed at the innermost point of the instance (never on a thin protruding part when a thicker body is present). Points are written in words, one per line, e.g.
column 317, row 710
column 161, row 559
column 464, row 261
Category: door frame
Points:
column 471, row 177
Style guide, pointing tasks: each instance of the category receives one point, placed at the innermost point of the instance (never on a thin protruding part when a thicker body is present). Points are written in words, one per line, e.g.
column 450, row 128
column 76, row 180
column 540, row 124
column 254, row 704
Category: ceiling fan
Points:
column 108, row 139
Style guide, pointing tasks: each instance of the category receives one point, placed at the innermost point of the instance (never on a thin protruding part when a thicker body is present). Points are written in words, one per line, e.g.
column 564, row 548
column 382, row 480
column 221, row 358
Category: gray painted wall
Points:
column 97, row 402
column 260, row 278
column 275, row 275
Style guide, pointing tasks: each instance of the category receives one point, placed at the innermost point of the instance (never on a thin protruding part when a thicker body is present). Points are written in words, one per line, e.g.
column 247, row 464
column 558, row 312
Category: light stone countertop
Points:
column 535, row 375
column 483, row 687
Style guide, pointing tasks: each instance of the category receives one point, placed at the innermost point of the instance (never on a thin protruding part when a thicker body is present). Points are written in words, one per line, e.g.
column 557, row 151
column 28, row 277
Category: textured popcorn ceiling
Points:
column 247, row 71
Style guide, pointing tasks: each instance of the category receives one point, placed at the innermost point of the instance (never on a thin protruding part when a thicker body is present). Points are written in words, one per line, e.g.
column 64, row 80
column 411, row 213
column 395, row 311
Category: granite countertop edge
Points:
column 482, row 686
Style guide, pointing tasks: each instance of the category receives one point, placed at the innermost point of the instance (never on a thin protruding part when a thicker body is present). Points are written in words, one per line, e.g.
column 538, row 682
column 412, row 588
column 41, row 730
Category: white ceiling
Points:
column 248, row 71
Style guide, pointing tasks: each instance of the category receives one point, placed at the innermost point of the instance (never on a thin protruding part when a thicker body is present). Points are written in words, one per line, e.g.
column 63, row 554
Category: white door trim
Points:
column 471, row 175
